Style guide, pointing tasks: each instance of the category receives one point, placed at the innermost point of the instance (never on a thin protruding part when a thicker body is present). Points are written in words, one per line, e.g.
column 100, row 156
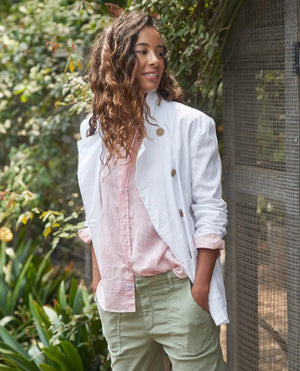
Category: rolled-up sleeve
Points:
column 209, row 209
column 85, row 235
column 209, row 241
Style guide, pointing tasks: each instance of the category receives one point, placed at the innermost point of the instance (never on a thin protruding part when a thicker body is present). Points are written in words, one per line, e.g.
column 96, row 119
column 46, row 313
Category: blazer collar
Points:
column 152, row 100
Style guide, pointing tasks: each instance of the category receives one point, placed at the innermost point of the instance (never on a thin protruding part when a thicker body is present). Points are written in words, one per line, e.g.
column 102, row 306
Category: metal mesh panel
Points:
column 261, row 168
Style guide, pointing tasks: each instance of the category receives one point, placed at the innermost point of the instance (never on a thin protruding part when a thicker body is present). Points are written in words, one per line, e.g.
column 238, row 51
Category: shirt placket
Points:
column 125, row 237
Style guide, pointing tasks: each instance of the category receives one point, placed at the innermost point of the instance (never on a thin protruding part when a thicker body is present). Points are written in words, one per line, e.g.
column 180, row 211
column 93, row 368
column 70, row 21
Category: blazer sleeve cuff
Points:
column 209, row 241
column 85, row 235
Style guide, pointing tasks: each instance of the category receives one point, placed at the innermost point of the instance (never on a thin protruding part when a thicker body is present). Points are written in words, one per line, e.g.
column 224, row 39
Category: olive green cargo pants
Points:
column 167, row 320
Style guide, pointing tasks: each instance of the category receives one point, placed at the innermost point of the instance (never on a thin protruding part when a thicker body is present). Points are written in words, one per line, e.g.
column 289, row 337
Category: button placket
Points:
column 124, row 173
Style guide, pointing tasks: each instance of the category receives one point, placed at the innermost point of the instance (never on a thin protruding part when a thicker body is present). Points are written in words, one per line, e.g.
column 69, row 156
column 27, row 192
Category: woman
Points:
column 150, row 178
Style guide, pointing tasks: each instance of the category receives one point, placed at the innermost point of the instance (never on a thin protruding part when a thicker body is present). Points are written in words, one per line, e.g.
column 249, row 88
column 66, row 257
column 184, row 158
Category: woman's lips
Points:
column 151, row 75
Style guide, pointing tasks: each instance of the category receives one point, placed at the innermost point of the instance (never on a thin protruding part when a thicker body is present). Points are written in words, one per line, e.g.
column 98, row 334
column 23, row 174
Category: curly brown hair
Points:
column 118, row 104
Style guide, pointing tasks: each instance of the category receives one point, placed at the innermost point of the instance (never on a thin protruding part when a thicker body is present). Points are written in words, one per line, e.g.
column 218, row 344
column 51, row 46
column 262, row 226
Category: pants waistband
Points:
column 158, row 279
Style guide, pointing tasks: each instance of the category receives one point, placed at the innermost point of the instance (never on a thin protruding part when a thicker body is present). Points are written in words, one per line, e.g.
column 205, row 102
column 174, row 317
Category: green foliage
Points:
column 55, row 223
column 68, row 336
column 43, row 88
column 23, row 271
column 20, row 209
column 13, row 204
column 36, row 335
column 48, row 320
column 42, row 51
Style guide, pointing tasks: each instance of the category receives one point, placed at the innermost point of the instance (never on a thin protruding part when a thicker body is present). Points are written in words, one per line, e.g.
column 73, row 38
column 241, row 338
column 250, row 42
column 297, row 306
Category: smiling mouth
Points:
column 150, row 74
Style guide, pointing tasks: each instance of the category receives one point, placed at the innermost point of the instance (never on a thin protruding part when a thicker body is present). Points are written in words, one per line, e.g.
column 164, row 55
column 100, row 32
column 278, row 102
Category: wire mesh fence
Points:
column 261, row 168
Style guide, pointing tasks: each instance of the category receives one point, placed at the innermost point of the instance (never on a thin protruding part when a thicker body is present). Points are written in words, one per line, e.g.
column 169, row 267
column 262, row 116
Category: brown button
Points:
column 173, row 172
column 160, row 132
column 180, row 212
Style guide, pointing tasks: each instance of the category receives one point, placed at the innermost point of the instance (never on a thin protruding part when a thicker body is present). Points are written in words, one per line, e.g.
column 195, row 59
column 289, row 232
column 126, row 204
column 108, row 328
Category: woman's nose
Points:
column 153, row 58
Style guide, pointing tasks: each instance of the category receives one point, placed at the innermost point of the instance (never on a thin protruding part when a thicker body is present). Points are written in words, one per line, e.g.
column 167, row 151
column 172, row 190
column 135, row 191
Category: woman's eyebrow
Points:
column 145, row 44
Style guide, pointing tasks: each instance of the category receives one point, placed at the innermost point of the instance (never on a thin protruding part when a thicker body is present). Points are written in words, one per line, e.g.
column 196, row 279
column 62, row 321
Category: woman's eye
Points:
column 141, row 51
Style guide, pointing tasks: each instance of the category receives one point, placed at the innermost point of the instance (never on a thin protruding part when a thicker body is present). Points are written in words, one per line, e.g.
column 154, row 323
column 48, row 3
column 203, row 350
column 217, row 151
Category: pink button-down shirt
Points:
column 130, row 246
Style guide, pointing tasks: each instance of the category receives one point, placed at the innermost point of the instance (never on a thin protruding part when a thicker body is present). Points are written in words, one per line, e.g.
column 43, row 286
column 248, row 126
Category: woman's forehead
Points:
column 149, row 35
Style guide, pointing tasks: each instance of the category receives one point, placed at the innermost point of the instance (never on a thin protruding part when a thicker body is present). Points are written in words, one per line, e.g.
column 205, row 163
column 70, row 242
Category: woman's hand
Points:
column 200, row 296
column 205, row 267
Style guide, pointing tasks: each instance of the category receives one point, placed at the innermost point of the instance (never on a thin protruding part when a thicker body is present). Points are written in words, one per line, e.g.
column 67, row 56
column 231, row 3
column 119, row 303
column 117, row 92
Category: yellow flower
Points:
column 6, row 234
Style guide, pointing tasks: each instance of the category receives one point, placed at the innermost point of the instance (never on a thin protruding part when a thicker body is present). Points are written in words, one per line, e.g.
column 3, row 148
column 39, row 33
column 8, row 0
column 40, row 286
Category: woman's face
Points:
column 149, row 51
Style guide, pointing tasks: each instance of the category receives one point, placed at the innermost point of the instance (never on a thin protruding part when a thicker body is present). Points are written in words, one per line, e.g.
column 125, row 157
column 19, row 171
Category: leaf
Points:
column 24, row 98
column 20, row 362
column 36, row 354
column 78, row 301
column 47, row 231
column 2, row 256
column 4, row 289
column 41, row 321
column 62, row 295
column 26, row 216
column 24, row 247
column 5, row 320
column 210, row 52
column 51, row 314
column 56, row 355
column 71, row 65
column 45, row 367
column 18, row 287
column 72, row 355
column 45, row 215
column 22, row 219
column 73, row 290
column 7, row 368
column 19, row 89
column 55, row 242
column 12, row 342
column 42, row 267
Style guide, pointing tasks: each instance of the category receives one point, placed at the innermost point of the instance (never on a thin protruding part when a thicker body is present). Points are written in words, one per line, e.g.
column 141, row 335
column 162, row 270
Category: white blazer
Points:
column 178, row 175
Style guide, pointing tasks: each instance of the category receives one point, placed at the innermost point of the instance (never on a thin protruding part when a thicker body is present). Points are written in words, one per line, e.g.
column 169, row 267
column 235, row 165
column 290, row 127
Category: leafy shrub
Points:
column 36, row 335
column 67, row 335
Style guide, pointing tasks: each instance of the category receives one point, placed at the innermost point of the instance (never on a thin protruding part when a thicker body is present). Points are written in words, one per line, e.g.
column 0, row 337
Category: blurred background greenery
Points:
column 47, row 318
